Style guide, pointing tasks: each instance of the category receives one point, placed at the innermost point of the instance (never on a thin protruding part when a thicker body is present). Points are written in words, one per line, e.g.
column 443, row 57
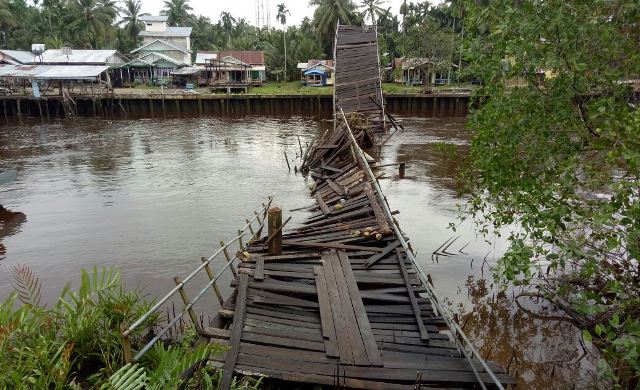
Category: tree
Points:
column 227, row 21
column 177, row 11
column 429, row 46
column 282, row 18
column 6, row 21
column 372, row 8
column 558, row 156
column 131, row 21
column 327, row 15
column 92, row 23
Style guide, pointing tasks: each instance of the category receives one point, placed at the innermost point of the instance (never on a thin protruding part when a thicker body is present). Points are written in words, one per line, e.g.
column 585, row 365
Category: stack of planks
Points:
column 342, row 304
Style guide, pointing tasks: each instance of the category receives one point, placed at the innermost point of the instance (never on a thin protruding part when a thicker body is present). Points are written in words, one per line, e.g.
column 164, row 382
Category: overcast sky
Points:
column 247, row 8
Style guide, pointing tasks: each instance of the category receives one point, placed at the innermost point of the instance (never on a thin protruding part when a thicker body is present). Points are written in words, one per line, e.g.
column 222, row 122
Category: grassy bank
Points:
column 76, row 343
column 273, row 88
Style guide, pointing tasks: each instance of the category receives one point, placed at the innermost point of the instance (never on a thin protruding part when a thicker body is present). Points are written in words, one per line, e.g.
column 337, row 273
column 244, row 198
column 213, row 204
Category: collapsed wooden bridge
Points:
column 339, row 301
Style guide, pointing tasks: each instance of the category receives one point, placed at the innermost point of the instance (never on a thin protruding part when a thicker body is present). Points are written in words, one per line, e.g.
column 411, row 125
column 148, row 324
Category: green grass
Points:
column 290, row 88
column 400, row 88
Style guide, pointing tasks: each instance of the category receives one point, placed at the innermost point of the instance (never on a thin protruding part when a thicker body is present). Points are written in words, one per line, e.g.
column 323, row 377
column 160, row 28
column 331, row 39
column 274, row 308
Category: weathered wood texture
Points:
column 341, row 305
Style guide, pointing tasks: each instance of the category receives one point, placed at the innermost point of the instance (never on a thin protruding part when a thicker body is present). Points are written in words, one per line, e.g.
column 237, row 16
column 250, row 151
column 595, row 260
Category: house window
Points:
column 149, row 24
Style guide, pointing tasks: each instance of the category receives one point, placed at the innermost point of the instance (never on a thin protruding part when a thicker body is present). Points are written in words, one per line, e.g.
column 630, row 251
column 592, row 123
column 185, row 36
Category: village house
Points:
column 164, row 50
column 243, row 68
column 418, row 71
column 317, row 73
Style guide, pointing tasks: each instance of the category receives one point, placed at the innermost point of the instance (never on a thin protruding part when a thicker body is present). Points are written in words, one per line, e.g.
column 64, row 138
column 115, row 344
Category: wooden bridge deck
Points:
column 343, row 304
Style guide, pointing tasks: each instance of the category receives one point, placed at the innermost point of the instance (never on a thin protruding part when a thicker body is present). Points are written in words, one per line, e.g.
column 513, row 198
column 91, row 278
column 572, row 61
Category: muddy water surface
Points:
column 151, row 197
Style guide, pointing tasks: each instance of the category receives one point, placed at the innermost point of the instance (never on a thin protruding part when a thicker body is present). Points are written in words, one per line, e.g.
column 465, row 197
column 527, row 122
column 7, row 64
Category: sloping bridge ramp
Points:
column 358, row 87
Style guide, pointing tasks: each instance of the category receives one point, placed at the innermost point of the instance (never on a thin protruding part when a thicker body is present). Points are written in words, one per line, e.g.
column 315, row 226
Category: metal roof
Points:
column 52, row 72
column 168, row 32
column 21, row 56
column 153, row 18
column 251, row 57
column 155, row 57
column 173, row 45
column 56, row 56
column 203, row 56
column 187, row 70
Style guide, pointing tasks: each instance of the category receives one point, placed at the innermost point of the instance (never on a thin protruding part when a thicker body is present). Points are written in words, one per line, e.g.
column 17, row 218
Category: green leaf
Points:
column 586, row 336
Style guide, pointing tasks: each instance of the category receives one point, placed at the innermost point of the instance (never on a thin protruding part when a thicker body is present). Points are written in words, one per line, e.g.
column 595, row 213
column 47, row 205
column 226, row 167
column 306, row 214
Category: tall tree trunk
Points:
column 284, row 37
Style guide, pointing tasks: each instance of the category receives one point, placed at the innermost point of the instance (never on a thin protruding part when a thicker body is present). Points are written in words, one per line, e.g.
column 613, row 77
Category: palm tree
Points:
column 177, row 11
column 227, row 21
column 130, row 19
column 372, row 8
column 282, row 18
column 91, row 22
column 6, row 21
column 404, row 10
column 327, row 15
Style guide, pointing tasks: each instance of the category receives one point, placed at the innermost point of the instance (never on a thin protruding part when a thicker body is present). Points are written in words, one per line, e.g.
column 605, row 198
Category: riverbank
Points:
column 156, row 103
column 297, row 88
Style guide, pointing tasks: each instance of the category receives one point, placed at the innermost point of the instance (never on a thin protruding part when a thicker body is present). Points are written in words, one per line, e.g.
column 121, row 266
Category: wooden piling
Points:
column 216, row 290
column 275, row 222
column 228, row 258
column 401, row 170
column 287, row 160
column 126, row 345
column 187, row 303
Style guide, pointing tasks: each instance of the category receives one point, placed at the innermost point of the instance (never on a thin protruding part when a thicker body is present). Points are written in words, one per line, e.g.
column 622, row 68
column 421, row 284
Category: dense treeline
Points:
column 108, row 24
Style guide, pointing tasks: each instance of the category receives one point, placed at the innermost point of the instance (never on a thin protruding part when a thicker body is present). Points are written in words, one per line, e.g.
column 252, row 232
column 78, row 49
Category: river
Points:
column 151, row 197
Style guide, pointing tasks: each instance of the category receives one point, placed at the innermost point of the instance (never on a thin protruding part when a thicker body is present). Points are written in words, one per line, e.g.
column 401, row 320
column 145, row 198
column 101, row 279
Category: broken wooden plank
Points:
column 424, row 334
column 326, row 316
column 236, row 333
column 259, row 271
column 386, row 250
column 340, row 323
column 373, row 353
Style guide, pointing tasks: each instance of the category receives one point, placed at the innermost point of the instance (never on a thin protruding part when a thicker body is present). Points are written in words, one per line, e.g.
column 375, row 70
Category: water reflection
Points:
column 10, row 223
column 542, row 353
column 153, row 196
column 148, row 196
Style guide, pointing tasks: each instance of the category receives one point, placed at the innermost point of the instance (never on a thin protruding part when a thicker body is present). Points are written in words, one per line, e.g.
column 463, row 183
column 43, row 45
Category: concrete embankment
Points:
column 186, row 105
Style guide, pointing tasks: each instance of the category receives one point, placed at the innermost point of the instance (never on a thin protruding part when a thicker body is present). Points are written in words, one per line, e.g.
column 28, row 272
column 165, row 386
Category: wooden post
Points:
column 186, row 302
column 226, row 255
column 240, row 240
column 216, row 290
column 274, row 223
column 250, row 227
column 126, row 345
column 401, row 170
column 287, row 160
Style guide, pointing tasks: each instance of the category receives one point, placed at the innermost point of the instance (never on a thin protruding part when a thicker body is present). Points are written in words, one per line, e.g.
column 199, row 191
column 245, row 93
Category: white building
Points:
column 174, row 42
column 164, row 49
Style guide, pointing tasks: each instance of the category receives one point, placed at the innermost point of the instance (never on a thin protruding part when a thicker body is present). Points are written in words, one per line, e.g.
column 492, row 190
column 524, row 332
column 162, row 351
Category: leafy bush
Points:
column 556, row 152
column 77, row 343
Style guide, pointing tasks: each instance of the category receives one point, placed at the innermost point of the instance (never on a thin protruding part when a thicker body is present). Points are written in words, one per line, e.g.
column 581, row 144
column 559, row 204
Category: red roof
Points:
column 248, row 57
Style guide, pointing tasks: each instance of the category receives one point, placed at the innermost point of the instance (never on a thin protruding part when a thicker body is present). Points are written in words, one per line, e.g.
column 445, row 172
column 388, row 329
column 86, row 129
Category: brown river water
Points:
column 151, row 197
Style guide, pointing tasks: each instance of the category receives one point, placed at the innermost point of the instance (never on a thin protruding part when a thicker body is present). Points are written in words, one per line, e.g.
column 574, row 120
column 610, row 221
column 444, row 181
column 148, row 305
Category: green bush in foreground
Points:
column 555, row 159
column 77, row 344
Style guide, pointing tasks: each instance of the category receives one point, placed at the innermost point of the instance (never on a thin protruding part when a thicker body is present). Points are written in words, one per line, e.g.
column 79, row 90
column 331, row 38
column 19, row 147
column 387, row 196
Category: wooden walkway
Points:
column 343, row 305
